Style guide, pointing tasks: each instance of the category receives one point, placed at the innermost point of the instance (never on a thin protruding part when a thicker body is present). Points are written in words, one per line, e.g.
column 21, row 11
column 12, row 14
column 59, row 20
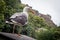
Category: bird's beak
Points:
column 31, row 11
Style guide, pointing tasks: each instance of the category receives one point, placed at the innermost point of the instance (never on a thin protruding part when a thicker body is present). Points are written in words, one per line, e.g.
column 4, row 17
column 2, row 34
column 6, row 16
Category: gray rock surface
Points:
column 16, row 37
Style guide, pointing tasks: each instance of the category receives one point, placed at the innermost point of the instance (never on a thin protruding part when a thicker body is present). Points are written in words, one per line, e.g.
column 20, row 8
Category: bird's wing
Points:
column 20, row 19
column 16, row 14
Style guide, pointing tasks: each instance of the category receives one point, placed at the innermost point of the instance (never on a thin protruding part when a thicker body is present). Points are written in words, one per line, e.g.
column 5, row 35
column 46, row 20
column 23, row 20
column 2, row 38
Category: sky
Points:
column 51, row 7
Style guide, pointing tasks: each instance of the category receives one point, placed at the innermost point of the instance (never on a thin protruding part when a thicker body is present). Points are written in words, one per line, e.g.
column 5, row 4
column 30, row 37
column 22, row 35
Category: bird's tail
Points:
column 8, row 21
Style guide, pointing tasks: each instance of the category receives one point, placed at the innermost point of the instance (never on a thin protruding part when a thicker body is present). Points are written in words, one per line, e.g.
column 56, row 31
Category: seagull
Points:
column 20, row 18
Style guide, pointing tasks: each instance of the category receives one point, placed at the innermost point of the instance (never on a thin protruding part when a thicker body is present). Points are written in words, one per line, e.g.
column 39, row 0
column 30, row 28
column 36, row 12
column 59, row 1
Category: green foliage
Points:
column 2, row 9
column 56, row 33
column 7, row 8
column 12, row 6
column 52, row 34
column 2, row 6
column 7, row 28
column 44, row 35
column 36, row 21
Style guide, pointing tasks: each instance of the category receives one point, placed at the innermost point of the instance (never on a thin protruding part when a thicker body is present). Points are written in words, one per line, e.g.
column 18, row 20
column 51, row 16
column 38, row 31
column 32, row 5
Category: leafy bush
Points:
column 44, row 34
column 56, row 33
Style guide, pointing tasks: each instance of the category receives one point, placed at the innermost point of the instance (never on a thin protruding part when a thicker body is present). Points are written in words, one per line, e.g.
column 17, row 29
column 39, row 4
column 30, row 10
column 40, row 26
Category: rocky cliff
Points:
column 47, row 18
